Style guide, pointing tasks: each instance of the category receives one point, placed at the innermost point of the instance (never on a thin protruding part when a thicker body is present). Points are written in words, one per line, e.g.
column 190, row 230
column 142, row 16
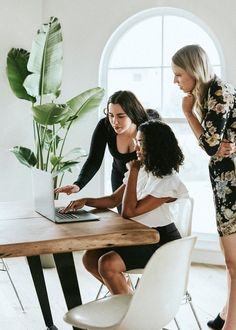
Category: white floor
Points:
column 207, row 285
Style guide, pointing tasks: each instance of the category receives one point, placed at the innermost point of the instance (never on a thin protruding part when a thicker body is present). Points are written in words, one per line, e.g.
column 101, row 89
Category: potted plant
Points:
column 37, row 77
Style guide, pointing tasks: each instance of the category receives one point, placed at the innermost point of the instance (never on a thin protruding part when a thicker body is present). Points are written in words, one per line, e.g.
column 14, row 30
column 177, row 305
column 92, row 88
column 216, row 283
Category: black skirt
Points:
column 137, row 256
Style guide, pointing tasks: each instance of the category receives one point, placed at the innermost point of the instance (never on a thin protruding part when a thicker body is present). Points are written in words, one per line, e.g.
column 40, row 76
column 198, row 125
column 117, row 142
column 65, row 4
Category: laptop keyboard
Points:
column 77, row 216
column 65, row 215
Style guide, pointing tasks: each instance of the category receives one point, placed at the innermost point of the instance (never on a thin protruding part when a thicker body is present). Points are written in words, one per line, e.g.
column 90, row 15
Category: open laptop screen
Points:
column 43, row 193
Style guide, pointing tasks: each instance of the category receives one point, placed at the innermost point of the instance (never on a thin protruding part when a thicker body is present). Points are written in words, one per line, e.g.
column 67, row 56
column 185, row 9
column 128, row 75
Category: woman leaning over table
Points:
column 210, row 109
column 150, row 186
column 124, row 113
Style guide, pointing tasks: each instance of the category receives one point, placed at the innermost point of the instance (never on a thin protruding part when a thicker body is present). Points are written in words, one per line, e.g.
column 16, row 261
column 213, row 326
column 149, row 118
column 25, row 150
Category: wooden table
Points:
column 26, row 233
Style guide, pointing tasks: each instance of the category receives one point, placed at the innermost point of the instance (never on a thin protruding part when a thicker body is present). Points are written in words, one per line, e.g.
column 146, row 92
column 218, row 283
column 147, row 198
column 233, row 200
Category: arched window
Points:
column 138, row 58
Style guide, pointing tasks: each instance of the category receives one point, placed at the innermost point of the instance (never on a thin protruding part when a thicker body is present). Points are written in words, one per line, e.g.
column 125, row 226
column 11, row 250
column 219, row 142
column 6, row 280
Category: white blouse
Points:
column 168, row 186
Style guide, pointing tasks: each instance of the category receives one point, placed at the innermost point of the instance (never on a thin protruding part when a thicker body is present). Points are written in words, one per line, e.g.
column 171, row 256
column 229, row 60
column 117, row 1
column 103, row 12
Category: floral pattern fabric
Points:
column 220, row 123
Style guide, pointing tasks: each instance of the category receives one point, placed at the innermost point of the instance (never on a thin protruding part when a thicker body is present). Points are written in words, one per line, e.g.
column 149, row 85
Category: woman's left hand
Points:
column 135, row 164
column 188, row 103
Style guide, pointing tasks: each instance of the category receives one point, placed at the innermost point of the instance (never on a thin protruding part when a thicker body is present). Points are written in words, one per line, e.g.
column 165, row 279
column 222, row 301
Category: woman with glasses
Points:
column 124, row 113
column 150, row 187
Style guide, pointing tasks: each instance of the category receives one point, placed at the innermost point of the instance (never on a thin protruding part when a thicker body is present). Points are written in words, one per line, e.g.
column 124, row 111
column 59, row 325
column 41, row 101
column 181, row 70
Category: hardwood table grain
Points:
column 25, row 233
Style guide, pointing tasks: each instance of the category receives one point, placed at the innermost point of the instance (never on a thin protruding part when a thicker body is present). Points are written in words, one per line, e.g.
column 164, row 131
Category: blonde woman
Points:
column 210, row 109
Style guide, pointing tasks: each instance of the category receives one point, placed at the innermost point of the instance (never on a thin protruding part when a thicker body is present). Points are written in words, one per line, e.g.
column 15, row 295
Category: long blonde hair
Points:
column 194, row 60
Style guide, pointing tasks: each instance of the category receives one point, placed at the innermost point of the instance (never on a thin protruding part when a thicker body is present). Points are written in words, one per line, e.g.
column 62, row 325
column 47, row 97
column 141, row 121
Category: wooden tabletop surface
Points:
column 25, row 233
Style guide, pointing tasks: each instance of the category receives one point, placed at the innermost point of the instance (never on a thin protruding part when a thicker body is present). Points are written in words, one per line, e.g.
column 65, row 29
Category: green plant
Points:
column 36, row 77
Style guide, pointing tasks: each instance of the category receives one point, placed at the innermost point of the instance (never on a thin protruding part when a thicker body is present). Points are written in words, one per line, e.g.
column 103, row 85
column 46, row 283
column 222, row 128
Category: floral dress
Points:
column 220, row 123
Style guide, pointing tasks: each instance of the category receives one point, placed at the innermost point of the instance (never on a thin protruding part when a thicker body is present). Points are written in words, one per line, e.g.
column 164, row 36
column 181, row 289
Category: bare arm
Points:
column 187, row 105
column 101, row 202
column 132, row 207
column 129, row 202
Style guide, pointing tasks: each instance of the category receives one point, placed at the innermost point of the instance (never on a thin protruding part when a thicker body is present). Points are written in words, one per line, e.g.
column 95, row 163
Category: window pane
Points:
column 140, row 61
column 195, row 168
column 172, row 96
column 217, row 70
column 144, row 83
column 194, row 174
column 179, row 31
column 139, row 46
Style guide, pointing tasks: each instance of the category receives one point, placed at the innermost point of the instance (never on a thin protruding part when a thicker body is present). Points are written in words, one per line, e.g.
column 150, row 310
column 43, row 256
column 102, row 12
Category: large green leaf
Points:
column 86, row 101
column 65, row 166
column 17, row 71
column 45, row 61
column 51, row 138
column 75, row 154
column 50, row 113
column 54, row 160
column 24, row 155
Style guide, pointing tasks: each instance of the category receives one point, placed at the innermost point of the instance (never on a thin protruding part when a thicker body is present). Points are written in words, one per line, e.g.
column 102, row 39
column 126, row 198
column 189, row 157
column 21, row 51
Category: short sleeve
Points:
column 169, row 186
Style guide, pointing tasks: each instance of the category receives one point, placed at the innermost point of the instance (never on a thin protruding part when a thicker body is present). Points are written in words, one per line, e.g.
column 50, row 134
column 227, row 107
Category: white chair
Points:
column 5, row 269
column 154, row 303
column 182, row 211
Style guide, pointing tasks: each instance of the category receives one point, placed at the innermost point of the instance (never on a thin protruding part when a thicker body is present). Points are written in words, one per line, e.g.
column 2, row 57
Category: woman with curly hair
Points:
column 150, row 186
column 123, row 114
column 210, row 109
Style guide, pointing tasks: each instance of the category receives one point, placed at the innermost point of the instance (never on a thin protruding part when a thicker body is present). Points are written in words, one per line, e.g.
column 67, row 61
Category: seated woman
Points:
column 149, row 187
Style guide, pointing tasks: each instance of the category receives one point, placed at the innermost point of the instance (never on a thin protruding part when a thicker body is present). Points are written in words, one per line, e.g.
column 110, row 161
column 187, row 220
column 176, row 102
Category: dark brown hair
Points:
column 161, row 151
column 130, row 104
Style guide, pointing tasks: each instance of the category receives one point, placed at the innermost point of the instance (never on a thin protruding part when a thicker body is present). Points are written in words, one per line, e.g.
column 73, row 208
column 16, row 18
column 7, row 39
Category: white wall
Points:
column 86, row 27
column 19, row 19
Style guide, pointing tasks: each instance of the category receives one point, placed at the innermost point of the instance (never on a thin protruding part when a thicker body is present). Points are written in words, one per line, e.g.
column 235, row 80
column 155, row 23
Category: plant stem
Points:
column 39, row 147
column 64, row 139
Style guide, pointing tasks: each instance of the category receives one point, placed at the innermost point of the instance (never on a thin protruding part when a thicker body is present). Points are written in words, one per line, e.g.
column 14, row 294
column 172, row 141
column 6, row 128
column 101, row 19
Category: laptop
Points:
column 43, row 193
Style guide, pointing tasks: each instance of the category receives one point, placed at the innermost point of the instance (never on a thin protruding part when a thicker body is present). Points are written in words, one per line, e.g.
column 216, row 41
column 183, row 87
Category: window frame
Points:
column 206, row 242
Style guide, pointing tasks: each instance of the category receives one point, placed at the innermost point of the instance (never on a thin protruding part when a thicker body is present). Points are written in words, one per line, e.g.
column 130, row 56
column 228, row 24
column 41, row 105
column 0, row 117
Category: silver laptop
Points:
column 43, row 192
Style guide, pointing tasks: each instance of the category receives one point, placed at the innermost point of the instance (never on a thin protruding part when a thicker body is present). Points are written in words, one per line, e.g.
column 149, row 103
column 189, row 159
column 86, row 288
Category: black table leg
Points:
column 67, row 275
column 41, row 290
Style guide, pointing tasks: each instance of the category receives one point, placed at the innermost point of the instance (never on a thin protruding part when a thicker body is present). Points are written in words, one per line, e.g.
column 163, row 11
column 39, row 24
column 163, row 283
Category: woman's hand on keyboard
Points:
column 74, row 205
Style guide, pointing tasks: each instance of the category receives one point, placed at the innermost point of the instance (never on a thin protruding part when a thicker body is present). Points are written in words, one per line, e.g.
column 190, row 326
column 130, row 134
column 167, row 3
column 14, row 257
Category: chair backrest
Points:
column 162, row 286
column 182, row 210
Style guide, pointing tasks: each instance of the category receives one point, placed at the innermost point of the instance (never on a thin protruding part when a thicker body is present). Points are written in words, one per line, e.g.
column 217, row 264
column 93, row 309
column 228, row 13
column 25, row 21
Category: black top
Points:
column 104, row 135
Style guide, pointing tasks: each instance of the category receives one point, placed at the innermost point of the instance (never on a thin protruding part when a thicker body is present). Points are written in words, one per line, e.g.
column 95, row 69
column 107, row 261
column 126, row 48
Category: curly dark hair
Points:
column 130, row 104
column 153, row 114
column 161, row 151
